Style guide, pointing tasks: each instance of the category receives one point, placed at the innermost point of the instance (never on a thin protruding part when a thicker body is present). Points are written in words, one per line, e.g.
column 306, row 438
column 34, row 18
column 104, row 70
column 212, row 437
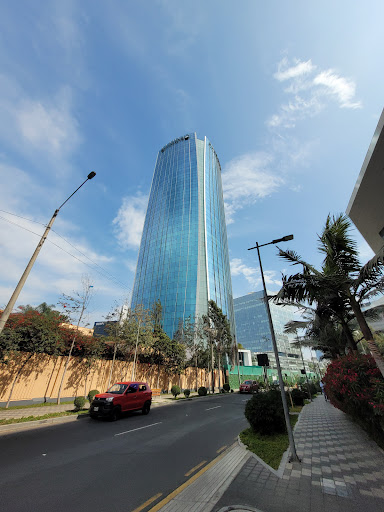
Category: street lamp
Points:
column 8, row 310
column 294, row 456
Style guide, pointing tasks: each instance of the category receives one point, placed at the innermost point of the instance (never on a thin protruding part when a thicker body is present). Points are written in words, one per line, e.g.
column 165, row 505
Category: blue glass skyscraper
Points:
column 183, row 259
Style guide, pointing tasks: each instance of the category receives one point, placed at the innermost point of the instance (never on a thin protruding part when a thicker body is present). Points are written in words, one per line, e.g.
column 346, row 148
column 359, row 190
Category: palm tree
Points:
column 342, row 283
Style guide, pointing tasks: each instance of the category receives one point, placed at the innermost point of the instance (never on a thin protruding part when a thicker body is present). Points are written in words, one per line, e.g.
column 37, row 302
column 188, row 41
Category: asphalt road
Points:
column 102, row 466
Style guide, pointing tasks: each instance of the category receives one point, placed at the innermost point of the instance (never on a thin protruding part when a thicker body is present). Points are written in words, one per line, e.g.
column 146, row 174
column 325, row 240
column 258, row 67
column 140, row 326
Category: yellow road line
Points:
column 221, row 449
column 148, row 502
column 177, row 491
column 196, row 467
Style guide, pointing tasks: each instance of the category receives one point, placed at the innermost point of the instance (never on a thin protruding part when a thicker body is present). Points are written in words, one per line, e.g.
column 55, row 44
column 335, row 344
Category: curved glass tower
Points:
column 183, row 258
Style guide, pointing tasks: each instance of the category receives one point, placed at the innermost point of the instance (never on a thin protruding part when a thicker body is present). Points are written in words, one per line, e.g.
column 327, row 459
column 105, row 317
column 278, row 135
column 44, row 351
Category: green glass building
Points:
column 183, row 258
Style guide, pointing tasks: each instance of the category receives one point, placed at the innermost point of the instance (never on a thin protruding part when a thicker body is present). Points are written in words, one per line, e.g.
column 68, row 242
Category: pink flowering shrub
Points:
column 355, row 385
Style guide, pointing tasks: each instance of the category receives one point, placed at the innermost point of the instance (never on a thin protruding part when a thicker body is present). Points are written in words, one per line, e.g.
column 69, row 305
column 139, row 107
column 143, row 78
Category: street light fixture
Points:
column 294, row 456
column 8, row 310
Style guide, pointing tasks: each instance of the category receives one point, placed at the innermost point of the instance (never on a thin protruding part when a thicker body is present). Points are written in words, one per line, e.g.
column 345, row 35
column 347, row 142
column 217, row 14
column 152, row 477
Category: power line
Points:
column 20, row 217
column 104, row 273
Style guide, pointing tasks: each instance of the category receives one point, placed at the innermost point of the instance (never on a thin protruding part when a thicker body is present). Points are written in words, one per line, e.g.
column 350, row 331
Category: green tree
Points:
column 75, row 307
column 174, row 361
column 140, row 319
column 342, row 280
column 159, row 350
column 31, row 333
column 114, row 338
column 219, row 334
column 93, row 350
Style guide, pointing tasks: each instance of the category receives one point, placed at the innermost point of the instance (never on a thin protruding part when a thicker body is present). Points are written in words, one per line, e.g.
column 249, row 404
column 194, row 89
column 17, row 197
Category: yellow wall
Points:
column 42, row 375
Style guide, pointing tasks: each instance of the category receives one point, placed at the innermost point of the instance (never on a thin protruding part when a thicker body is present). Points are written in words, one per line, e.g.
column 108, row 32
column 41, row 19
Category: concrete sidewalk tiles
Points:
column 341, row 470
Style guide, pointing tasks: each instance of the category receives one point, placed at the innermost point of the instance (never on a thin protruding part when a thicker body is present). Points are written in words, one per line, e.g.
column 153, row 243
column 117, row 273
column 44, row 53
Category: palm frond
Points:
column 295, row 259
column 293, row 326
column 372, row 267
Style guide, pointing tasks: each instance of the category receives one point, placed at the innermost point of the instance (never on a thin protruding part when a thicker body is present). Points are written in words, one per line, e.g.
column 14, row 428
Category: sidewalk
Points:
column 341, row 470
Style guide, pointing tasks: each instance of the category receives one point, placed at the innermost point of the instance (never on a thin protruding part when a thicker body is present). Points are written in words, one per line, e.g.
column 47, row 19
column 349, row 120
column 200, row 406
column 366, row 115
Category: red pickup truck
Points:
column 121, row 397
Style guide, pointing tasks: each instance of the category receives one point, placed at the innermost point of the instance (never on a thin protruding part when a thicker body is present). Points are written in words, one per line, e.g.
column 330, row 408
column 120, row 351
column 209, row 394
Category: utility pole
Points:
column 8, row 309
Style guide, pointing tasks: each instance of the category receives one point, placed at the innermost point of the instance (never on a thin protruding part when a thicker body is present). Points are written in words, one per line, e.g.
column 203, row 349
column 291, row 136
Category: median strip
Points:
column 195, row 468
column 210, row 409
column 140, row 428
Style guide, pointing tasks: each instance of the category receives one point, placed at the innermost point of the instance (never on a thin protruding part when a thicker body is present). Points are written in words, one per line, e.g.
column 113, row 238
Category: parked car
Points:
column 249, row 386
column 122, row 397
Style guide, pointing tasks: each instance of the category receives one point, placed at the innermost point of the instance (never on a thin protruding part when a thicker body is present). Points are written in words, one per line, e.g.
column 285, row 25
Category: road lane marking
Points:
column 210, row 409
column 221, row 449
column 140, row 428
column 148, row 502
column 177, row 491
column 195, row 468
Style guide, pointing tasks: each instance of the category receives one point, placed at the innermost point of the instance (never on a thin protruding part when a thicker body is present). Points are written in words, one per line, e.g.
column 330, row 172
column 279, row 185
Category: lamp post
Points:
column 294, row 456
column 8, row 310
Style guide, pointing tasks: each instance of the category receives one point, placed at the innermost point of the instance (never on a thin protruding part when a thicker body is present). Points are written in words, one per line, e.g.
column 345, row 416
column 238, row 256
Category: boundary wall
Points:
column 40, row 378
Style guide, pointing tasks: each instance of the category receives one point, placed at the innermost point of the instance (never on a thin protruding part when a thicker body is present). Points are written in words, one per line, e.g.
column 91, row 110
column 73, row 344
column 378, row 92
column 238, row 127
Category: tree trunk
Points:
column 49, row 381
column 65, row 369
column 17, row 376
column 85, row 384
column 219, row 364
column 366, row 331
column 112, row 365
column 348, row 334
column 196, row 373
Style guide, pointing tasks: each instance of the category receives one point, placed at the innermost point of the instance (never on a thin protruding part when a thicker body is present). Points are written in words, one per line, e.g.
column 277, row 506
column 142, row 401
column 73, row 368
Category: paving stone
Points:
column 340, row 470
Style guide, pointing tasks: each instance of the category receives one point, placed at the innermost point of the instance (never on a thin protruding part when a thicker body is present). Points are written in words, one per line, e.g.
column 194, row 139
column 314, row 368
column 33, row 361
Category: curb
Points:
column 17, row 427
column 239, row 508
column 23, row 426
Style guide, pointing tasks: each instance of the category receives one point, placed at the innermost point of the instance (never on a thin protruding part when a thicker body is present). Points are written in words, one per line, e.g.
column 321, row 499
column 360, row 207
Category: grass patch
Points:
column 296, row 408
column 268, row 448
column 43, row 417
column 44, row 404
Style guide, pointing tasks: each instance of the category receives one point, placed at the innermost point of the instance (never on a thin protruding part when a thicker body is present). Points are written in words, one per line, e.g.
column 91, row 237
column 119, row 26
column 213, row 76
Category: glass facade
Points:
column 183, row 258
column 252, row 326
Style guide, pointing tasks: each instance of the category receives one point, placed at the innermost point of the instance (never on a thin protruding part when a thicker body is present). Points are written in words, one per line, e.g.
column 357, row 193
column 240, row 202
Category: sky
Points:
column 289, row 94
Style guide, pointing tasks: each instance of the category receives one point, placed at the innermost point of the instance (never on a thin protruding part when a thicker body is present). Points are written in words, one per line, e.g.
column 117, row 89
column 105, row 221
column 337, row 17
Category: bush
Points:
column 226, row 387
column 175, row 390
column 79, row 403
column 187, row 392
column 313, row 389
column 265, row 413
column 298, row 396
column 91, row 394
column 202, row 391
column 355, row 385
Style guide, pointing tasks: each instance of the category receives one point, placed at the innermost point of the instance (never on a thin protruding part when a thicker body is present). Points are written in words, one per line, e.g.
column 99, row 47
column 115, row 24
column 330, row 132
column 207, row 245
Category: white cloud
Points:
column 286, row 72
column 253, row 276
column 55, row 271
column 246, row 179
column 129, row 221
column 42, row 128
column 311, row 91
column 343, row 88
column 48, row 125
